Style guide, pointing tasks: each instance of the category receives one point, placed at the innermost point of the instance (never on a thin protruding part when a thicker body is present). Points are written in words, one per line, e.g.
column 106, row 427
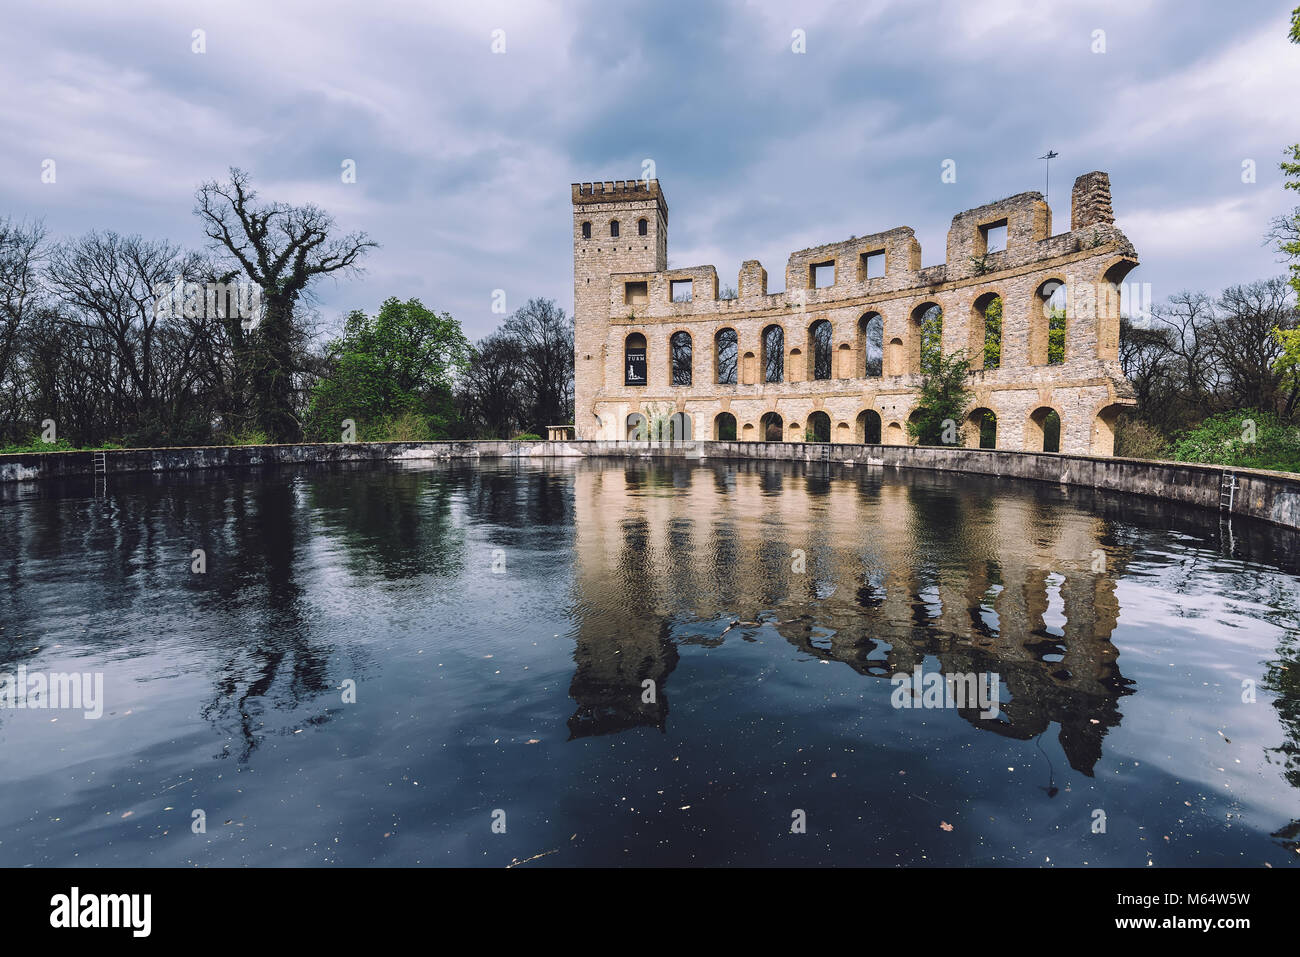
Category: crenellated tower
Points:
column 618, row 227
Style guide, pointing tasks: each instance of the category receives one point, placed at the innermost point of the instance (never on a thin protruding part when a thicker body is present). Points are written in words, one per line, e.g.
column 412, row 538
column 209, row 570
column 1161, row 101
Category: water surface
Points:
column 500, row 624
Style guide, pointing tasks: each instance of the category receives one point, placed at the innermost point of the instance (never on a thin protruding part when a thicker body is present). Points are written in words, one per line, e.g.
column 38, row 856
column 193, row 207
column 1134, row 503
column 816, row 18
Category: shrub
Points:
column 36, row 444
column 1244, row 438
column 409, row 426
column 247, row 436
column 1137, row 439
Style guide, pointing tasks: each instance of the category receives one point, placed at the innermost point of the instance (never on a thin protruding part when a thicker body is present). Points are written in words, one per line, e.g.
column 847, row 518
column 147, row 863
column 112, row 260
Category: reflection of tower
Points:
column 623, row 574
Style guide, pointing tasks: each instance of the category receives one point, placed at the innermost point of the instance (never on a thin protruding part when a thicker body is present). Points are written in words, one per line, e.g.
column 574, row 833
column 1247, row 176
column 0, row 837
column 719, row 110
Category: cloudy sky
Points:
column 464, row 156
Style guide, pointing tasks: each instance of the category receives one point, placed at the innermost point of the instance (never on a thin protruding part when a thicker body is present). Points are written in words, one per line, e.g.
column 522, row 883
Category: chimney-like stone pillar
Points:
column 1090, row 201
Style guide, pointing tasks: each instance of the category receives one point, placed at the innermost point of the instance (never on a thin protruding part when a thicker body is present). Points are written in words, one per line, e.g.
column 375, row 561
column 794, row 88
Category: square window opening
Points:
column 994, row 236
column 872, row 265
column 821, row 275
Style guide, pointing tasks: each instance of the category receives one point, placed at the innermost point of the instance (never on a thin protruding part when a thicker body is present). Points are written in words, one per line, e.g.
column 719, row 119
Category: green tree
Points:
column 1286, row 229
column 1056, row 336
column 931, row 339
column 944, row 399
column 392, row 374
column 1287, row 365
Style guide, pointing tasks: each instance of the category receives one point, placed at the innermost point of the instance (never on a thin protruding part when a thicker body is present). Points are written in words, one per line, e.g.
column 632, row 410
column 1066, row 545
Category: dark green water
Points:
column 499, row 626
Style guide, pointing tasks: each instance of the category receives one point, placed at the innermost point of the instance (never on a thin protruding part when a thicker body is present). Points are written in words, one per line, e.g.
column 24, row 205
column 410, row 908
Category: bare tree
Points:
column 20, row 296
column 491, row 390
column 134, row 353
column 1187, row 319
column 1244, row 348
column 283, row 249
column 545, row 337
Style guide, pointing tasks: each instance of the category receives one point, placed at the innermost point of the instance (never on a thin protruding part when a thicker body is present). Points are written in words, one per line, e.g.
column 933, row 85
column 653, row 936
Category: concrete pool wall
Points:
column 1271, row 496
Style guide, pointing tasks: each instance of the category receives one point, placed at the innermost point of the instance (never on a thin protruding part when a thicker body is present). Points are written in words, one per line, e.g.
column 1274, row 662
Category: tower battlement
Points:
column 620, row 191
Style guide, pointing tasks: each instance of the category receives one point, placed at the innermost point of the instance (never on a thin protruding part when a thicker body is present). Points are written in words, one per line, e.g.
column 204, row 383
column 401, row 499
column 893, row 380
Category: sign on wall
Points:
column 634, row 367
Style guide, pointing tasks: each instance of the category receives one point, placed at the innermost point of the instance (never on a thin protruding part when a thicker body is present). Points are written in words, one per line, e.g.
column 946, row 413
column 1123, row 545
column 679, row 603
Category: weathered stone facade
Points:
column 859, row 384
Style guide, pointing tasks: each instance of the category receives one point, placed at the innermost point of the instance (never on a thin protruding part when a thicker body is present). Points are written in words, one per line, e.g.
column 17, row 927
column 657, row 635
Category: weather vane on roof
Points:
column 1047, row 188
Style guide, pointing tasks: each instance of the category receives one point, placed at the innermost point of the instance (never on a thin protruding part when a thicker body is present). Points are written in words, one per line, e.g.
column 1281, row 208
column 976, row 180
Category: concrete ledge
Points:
column 1270, row 496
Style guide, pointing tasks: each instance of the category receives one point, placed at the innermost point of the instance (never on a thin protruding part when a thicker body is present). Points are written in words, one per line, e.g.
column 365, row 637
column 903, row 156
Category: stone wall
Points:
column 623, row 289
column 1271, row 496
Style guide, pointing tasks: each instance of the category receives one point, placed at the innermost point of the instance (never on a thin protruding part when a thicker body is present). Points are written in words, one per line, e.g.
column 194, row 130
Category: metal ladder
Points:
column 1227, row 498
column 1227, row 490
column 100, row 461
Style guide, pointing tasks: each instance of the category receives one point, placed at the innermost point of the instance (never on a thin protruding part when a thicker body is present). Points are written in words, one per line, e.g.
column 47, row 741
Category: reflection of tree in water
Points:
column 522, row 497
column 1283, row 679
column 257, row 546
column 395, row 524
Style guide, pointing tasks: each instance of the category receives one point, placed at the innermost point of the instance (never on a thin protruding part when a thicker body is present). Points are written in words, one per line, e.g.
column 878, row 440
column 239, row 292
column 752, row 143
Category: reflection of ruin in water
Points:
column 895, row 574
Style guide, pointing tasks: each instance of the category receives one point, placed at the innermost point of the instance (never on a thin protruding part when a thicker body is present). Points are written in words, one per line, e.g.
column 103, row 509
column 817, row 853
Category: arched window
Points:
column 642, row 227
column 871, row 345
column 1103, row 430
column 1043, row 431
column 634, row 362
column 1049, row 344
column 679, row 427
column 868, row 427
column 915, row 430
column 586, row 230
column 982, row 429
column 819, row 336
column 680, row 350
column 774, row 354
column 927, row 337
column 724, row 427
column 613, row 228
column 1110, row 305
column 819, row 427
column 771, row 427
column 986, row 329
column 636, row 427
column 724, row 351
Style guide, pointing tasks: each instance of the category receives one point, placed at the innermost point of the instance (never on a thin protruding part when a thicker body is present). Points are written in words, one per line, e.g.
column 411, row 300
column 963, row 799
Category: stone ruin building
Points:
column 837, row 356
